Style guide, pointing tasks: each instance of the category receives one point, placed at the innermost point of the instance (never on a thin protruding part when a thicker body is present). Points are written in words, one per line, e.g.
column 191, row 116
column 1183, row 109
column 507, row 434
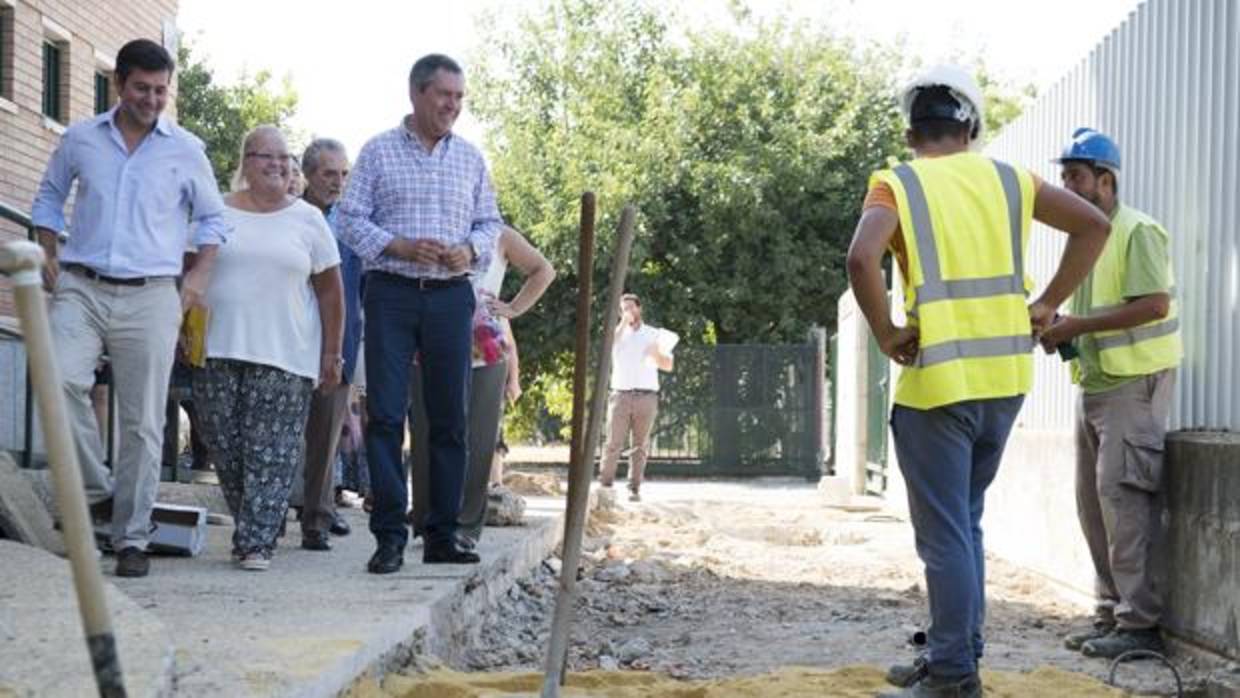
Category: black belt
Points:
column 96, row 276
column 423, row 283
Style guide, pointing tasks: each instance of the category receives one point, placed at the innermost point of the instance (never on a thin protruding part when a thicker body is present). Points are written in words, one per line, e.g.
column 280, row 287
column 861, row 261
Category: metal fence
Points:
column 741, row 410
column 1166, row 85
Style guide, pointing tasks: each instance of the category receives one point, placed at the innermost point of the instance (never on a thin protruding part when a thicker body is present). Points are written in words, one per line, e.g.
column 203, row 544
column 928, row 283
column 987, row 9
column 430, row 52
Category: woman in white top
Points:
column 495, row 374
column 275, row 330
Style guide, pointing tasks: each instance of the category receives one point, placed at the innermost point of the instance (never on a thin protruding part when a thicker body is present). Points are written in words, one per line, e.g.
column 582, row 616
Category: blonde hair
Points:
column 238, row 182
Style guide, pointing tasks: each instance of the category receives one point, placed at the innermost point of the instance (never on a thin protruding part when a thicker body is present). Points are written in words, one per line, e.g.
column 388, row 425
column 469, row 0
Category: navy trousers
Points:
column 949, row 456
column 403, row 319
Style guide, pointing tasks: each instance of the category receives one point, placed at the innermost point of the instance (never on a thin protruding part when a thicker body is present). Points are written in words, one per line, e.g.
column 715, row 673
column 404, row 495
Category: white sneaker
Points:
column 255, row 562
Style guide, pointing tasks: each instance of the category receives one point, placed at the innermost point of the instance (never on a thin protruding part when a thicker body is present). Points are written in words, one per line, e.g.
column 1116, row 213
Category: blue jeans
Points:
column 436, row 324
column 949, row 456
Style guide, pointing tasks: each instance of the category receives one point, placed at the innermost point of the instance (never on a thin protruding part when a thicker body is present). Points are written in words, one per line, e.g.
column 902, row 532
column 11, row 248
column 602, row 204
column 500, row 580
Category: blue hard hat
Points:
column 1092, row 146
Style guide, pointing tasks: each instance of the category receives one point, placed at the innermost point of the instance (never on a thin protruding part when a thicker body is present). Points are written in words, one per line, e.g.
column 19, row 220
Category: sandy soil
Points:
column 716, row 581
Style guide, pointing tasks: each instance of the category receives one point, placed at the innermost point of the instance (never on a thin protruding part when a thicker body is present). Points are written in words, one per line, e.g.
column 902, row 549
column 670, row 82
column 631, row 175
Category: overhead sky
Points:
column 349, row 61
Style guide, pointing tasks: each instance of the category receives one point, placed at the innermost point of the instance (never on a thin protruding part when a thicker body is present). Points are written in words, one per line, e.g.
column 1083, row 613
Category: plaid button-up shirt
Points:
column 399, row 189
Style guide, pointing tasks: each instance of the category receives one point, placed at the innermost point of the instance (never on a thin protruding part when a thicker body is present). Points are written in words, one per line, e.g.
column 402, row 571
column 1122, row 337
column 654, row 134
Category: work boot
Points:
column 132, row 562
column 1100, row 629
column 942, row 687
column 905, row 675
column 1123, row 640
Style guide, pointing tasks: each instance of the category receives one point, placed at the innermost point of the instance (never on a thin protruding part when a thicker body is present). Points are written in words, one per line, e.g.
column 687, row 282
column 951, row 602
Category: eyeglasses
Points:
column 270, row 157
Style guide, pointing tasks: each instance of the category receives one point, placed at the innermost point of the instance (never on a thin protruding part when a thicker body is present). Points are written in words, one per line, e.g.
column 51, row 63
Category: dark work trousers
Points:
column 403, row 318
column 949, row 455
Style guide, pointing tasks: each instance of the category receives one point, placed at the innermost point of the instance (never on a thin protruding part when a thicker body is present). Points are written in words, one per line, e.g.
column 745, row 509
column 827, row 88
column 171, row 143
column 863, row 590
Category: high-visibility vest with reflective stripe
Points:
column 1141, row 350
column 965, row 223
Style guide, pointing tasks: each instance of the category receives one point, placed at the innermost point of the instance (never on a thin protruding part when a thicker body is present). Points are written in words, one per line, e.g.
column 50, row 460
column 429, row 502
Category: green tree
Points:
column 1005, row 100
column 221, row 115
column 746, row 155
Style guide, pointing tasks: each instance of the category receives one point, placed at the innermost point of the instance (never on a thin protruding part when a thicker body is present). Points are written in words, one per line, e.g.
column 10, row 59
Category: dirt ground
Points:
column 721, row 581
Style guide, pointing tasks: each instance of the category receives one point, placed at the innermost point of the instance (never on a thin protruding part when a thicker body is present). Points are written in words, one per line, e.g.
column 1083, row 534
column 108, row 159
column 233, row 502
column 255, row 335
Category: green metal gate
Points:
column 739, row 410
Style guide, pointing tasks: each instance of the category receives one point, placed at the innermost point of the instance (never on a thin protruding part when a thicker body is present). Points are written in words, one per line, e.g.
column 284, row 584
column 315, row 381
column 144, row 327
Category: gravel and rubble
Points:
column 704, row 587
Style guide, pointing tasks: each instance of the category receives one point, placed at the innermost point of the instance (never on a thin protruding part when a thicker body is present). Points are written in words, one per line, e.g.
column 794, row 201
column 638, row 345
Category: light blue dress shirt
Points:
column 132, row 212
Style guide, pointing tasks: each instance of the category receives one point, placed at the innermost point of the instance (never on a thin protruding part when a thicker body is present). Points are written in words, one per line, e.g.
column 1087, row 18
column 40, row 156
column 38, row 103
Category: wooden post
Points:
column 582, row 467
column 23, row 262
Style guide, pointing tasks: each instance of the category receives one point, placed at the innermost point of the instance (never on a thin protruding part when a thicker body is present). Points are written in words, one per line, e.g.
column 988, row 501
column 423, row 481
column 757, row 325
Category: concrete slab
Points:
column 23, row 516
column 42, row 649
column 316, row 621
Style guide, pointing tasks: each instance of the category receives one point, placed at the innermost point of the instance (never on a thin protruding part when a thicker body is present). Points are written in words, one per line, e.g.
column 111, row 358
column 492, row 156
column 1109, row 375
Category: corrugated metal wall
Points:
column 1166, row 86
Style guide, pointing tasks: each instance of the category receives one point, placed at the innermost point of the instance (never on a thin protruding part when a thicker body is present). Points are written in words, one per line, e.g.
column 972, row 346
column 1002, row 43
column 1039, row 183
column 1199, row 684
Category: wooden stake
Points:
column 23, row 262
column 582, row 457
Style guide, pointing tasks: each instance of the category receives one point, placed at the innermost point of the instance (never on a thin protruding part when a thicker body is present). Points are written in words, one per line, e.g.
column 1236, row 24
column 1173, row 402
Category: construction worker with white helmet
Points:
column 1125, row 328
column 958, row 225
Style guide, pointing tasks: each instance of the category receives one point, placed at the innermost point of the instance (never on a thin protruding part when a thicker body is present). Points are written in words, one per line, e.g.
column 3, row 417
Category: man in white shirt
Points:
column 636, row 359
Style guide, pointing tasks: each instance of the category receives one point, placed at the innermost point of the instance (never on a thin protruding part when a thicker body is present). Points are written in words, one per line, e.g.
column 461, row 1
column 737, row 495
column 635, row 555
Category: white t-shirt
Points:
column 263, row 308
column 630, row 369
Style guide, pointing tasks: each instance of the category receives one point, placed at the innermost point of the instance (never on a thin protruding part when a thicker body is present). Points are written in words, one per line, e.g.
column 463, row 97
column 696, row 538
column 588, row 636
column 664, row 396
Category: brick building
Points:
column 56, row 61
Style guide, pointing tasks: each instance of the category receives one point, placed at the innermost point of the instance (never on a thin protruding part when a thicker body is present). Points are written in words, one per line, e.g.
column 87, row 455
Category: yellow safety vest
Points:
column 1141, row 350
column 965, row 222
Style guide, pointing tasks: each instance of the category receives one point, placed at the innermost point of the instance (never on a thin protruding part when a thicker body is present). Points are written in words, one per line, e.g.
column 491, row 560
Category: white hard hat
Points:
column 959, row 83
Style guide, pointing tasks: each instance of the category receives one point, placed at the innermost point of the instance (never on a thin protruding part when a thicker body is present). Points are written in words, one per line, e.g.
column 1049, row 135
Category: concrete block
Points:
column 23, row 515
column 1031, row 511
column 1201, row 542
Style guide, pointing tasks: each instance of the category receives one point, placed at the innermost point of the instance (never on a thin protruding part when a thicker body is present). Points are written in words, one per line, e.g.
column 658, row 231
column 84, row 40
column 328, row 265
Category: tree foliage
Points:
column 746, row 152
column 221, row 115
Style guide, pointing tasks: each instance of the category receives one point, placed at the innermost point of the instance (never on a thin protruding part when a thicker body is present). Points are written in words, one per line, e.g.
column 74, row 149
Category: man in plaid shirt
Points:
column 420, row 211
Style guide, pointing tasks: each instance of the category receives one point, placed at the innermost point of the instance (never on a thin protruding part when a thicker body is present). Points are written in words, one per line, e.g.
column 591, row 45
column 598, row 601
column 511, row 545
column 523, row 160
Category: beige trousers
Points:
column 137, row 326
column 1119, row 472
column 629, row 412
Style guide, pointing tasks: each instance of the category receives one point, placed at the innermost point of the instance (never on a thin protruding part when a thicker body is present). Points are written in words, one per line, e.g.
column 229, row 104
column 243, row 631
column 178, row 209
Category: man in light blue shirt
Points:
column 141, row 181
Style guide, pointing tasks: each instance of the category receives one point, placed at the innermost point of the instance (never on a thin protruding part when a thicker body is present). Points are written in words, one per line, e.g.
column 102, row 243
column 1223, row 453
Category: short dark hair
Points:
column 423, row 72
column 931, row 130
column 631, row 297
column 932, row 116
column 142, row 54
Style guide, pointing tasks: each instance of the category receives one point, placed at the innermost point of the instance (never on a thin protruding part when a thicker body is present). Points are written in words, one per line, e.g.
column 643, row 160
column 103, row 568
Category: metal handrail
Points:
column 10, row 213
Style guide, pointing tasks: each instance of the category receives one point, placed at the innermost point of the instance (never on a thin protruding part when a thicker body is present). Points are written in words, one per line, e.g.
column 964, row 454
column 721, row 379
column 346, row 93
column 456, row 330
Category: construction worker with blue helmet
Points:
column 958, row 225
column 1124, row 324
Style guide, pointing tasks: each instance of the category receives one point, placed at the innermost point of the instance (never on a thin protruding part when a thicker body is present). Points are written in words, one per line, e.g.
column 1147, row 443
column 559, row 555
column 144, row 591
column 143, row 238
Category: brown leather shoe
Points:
column 132, row 562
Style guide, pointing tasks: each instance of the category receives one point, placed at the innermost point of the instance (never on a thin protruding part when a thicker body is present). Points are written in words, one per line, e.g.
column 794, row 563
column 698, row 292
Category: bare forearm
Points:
column 1078, row 258
column 331, row 312
column 1132, row 314
column 1087, row 228
column 203, row 261
column 533, row 289
column 49, row 240
column 329, row 290
column 866, row 279
column 663, row 362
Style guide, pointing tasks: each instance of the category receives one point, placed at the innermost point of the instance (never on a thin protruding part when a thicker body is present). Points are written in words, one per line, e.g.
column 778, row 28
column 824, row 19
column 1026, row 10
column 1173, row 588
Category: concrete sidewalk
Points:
column 310, row 626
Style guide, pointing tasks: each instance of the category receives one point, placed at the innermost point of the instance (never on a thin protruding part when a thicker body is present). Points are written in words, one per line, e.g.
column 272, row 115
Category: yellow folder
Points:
column 194, row 335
